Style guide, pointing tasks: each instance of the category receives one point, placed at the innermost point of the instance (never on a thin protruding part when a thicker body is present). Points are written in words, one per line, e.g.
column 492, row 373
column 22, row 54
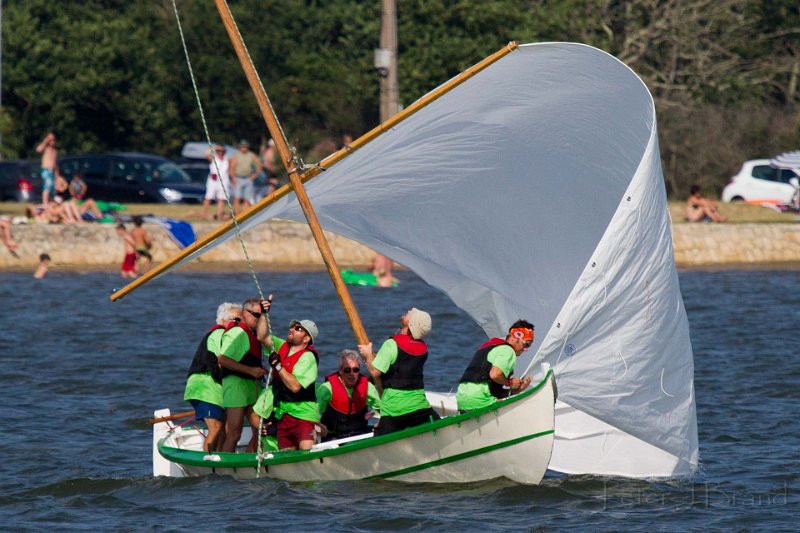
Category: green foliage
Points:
column 111, row 74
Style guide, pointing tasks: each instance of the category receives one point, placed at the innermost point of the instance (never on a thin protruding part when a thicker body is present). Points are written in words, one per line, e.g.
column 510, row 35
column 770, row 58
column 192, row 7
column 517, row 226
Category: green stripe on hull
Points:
column 460, row 456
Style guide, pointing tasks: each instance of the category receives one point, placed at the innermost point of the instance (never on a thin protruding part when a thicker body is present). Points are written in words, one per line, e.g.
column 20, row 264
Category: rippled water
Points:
column 81, row 376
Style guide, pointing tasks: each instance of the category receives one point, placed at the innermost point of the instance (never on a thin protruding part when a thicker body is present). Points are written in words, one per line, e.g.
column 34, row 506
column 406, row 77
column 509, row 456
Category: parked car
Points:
column 133, row 177
column 197, row 169
column 762, row 181
column 20, row 181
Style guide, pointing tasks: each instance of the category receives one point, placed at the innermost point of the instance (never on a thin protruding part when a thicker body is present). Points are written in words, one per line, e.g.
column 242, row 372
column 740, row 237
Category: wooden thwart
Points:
column 185, row 414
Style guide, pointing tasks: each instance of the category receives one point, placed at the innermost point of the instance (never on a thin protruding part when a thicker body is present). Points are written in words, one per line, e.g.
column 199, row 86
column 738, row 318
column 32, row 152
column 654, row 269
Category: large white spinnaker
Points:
column 534, row 190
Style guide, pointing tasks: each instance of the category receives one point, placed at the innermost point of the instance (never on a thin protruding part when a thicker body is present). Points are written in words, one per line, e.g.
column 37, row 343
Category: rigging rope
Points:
column 225, row 189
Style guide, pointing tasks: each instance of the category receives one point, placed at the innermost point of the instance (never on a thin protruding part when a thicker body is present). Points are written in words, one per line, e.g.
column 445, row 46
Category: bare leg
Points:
column 216, row 434
column 255, row 423
column 233, row 428
column 8, row 239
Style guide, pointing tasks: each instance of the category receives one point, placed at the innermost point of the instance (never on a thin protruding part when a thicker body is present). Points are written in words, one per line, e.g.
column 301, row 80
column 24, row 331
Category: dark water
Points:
column 80, row 376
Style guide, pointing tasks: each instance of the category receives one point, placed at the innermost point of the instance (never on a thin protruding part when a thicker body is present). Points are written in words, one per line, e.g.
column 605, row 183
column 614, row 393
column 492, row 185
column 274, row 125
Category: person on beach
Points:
column 44, row 264
column 218, row 183
column 270, row 166
column 143, row 244
column 700, row 209
column 246, row 167
column 204, row 384
column 488, row 375
column 128, row 269
column 345, row 399
column 5, row 234
column 294, row 364
column 399, row 365
column 48, row 166
column 69, row 211
column 87, row 207
column 240, row 356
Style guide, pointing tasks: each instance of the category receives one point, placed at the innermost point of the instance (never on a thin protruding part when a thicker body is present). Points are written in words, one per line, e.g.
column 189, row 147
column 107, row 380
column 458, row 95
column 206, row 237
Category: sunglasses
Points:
column 298, row 329
column 527, row 344
column 254, row 313
column 348, row 370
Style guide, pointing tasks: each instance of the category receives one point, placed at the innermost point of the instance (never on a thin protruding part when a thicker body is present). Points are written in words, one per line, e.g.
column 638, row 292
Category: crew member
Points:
column 346, row 398
column 294, row 362
column 204, row 385
column 488, row 375
column 240, row 359
column 399, row 364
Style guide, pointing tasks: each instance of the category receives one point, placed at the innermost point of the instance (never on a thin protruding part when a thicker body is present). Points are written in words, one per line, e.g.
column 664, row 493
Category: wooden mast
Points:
column 291, row 165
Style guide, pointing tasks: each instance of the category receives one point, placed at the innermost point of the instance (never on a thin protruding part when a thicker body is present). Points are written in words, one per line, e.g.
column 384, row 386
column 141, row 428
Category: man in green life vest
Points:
column 294, row 364
column 204, row 385
column 240, row 359
column 488, row 375
column 398, row 364
column 345, row 399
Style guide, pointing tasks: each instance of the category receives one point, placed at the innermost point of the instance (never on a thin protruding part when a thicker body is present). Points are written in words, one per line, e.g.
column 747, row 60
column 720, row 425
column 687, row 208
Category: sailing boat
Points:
column 534, row 183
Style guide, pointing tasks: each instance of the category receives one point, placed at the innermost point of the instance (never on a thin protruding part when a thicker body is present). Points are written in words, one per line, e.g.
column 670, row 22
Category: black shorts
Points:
column 390, row 424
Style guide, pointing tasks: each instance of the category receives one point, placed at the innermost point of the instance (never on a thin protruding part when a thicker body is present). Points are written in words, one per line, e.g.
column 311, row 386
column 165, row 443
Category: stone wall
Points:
column 281, row 244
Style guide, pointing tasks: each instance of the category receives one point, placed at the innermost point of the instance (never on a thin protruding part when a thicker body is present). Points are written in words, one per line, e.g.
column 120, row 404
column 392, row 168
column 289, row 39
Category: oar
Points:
column 184, row 414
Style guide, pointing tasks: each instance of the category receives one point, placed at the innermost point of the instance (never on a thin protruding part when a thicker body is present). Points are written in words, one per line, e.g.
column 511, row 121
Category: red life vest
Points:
column 406, row 372
column 346, row 415
column 253, row 355
column 282, row 392
column 478, row 368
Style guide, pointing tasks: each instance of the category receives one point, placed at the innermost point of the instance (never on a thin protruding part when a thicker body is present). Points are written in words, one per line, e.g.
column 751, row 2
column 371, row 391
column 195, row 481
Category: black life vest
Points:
column 205, row 361
column 406, row 372
column 251, row 358
column 478, row 369
column 282, row 392
column 346, row 414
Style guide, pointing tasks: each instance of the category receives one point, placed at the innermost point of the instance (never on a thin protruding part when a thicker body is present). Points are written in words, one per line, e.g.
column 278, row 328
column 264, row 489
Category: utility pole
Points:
column 386, row 60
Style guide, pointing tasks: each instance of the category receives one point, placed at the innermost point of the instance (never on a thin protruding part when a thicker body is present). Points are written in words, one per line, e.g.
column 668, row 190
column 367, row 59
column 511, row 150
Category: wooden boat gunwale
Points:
column 245, row 460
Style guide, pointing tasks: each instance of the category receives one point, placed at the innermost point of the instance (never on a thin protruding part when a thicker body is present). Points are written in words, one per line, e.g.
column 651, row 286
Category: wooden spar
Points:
column 291, row 165
column 315, row 170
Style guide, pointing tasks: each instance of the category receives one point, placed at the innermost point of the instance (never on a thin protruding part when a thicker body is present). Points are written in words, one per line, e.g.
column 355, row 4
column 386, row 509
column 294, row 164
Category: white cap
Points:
column 419, row 323
column 307, row 325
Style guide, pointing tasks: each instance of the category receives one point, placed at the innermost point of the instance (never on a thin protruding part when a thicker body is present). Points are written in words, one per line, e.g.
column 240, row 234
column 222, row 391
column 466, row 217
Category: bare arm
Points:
column 226, row 362
column 289, row 380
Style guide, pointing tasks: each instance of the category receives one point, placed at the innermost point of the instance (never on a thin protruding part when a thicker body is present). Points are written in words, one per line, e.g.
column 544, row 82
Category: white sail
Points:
column 535, row 190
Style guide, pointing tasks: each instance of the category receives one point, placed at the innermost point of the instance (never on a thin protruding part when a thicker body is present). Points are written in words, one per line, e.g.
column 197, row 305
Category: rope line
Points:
column 225, row 189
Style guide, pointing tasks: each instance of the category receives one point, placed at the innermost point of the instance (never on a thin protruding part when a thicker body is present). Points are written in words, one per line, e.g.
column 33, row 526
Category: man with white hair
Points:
column 399, row 364
column 204, row 386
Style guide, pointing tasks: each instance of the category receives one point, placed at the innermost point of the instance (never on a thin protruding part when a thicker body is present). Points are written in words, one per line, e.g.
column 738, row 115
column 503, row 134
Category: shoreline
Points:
column 282, row 246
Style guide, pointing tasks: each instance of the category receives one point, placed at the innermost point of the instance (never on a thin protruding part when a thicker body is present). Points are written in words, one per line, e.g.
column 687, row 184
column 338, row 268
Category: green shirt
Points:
column 305, row 371
column 202, row 386
column 236, row 391
column 476, row 395
column 397, row 402
column 325, row 393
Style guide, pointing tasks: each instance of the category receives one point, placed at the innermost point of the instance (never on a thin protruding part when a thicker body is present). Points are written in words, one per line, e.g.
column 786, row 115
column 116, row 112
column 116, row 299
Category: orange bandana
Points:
column 524, row 334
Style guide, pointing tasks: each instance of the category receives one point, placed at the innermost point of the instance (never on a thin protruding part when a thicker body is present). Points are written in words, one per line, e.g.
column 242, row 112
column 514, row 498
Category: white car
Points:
column 763, row 181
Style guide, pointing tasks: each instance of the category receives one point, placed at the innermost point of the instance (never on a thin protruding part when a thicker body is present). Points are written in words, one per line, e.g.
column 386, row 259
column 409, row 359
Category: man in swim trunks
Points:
column 489, row 373
column 129, row 263
column 143, row 244
column 48, row 171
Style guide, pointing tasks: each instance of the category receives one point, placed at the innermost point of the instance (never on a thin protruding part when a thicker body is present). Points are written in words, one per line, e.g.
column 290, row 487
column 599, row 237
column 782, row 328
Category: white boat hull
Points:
column 513, row 440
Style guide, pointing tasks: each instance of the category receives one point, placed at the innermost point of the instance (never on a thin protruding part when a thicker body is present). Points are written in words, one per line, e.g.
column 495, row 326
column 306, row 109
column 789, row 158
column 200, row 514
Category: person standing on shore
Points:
column 143, row 244
column 246, row 167
column 129, row 263
column 49, row 161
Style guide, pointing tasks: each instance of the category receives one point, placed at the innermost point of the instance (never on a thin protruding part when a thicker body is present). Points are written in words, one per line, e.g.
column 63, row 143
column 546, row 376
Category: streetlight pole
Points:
column 388, row 66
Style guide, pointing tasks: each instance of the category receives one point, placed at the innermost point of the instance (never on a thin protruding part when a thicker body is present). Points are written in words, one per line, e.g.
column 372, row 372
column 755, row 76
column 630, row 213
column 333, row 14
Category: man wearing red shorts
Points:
column 294, row 367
